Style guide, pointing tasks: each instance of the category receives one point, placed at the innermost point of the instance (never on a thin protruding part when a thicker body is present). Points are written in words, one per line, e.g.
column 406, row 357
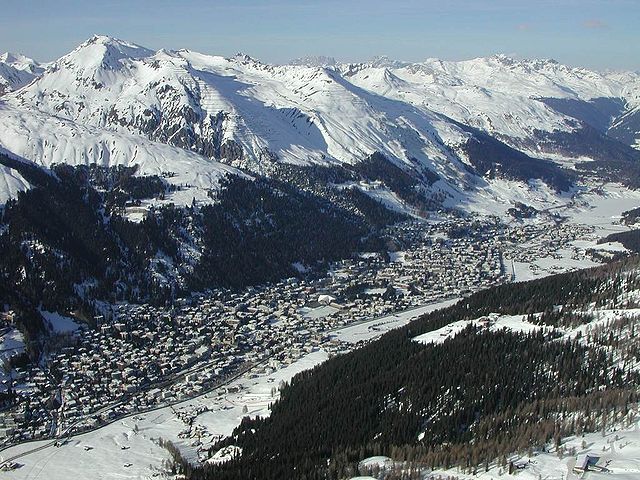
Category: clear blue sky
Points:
column 592, row 33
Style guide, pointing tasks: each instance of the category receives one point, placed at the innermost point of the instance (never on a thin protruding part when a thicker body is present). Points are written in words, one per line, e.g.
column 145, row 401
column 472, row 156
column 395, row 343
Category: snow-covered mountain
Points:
column 518, row 101
column 315, row 61
column 233, row 108
column 453, row 121
column 17, row 71
column 48, row 140
column 627, row 127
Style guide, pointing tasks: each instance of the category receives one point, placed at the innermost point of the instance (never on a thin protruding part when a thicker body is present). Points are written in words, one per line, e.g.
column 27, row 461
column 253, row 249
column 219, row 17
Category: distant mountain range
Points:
column 188, row 117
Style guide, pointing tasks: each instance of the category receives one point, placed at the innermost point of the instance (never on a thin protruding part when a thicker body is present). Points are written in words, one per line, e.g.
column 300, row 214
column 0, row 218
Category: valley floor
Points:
column 193, row 425
column 128, row 448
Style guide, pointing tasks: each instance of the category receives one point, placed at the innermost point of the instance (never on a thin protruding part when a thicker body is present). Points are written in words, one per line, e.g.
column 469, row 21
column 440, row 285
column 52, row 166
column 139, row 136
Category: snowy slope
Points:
column 47, row 140
column 627, row 127
column 210, row 104
column 16, row 71
column 497, row 94
column 11, row 182
column 249, row 114
column 22, row 63
column 311, row 112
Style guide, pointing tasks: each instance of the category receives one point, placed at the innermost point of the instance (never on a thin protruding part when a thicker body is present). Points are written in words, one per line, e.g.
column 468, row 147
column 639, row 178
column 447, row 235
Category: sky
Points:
column 599, row 34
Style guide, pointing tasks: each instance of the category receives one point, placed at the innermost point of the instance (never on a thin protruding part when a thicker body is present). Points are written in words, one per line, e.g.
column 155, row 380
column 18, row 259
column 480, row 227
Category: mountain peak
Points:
column 101, row 52
column 108, row 40
column 8, row 57
column 314, row 61
column 104, row 46
column 16, row 71
column 245, row 59
column 20, row 62
column 503, row 59
column 385, row 61
column 509, row 61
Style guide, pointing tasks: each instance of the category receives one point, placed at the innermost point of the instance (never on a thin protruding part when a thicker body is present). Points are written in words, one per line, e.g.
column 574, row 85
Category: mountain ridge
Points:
column 251, row 115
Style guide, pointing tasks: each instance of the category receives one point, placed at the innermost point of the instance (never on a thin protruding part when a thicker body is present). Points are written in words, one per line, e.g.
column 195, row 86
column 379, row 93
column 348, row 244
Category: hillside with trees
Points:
column 69, row 242
column 501, row 391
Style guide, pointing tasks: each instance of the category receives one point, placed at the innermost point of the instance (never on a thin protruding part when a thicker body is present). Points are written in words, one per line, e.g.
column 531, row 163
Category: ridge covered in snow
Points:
column 64, row 141
column 16, row 71
column 497, row 94
column 237, row 110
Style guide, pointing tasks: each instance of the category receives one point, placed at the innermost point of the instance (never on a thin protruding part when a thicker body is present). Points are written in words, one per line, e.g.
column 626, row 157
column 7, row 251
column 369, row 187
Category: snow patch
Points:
column 59, row 323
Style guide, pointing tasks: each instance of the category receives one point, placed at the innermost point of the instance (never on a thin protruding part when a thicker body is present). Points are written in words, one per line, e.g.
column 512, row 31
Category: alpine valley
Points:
column 219, row 268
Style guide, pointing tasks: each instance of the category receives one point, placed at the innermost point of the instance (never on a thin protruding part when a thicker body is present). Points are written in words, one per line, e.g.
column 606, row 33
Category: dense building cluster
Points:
column 139, row 357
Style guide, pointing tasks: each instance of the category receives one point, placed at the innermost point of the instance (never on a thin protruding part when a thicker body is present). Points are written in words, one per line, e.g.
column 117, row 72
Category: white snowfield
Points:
column 493, row 322
column 374, row 328
column 519, row 324
column 496, row 196
column 113, row 102
column 11, row 182
column 59, row 323
column 48, row 140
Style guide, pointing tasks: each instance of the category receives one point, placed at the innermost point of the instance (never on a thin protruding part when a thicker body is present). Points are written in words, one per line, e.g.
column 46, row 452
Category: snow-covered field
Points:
column 602, row 208
column 516, row 323
column 372, row 329
column 59, row 323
